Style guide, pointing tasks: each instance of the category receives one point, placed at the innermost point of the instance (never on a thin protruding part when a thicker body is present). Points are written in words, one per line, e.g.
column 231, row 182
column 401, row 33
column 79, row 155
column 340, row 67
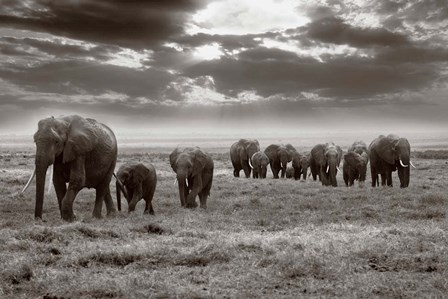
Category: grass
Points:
column 258, row 238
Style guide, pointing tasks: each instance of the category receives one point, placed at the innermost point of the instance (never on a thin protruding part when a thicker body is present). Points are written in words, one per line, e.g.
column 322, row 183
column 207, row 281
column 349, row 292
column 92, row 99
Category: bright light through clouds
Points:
column 208, row 52
column 247, row 16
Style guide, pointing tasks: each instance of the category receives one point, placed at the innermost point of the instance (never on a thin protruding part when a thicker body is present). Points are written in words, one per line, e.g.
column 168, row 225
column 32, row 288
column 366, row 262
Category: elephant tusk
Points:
column 338, row 169
column 50, row 182
column 402, row 165
column 250, row 164
column 328, row 168
column 186, row 182
column 29, row 181
column 412, row 164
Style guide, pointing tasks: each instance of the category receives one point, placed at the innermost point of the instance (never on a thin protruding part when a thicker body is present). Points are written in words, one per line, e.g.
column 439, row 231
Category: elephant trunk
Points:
column 182, row 183
column 41, row 171
column 404, row 171
column 304, row 172
column 284, row 165
column 264, row 170
column 133, row 202
column 117, row 188
column 332, row 175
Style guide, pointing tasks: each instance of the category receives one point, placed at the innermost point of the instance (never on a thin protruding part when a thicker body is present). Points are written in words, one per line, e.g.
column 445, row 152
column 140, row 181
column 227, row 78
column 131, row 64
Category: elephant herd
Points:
column 83, row 153
column 385, row 153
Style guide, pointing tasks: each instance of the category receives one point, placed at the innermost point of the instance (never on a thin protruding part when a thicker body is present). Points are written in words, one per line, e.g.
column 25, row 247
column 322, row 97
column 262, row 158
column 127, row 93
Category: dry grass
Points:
column 258, row 238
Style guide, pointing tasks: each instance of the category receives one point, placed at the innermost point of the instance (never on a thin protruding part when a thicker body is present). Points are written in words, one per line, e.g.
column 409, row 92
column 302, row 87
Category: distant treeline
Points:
column 431, row 154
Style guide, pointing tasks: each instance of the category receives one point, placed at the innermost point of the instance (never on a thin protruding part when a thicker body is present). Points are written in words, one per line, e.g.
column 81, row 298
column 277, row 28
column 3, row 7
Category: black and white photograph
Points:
column 223, row 149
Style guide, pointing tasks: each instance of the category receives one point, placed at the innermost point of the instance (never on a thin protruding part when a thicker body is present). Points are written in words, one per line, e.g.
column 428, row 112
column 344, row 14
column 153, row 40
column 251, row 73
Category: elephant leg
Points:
column 110, row 208
column 323, row 176
column 77, row 181
column 383, row 179
column 203, row 199
column 100, row 196
column 374, row 176
column 205, row 192
column 196, row 186
column 345, row 176
column 236, row 171
column 148, row 199
column 389, row 178
column 148, row 208
column 59, row 186
column 276, row 169
column 246, row 168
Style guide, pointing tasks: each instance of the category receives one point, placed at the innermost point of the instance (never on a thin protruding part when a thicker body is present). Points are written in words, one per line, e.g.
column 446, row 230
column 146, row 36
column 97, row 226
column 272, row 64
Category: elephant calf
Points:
column 136, row 181
column 355, row 168
column 300, row 164
column 260, row 164
column 194, row 172
column 289, row 172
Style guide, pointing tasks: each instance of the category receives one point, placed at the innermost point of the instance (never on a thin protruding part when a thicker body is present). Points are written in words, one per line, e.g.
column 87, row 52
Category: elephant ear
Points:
column 139, row 173
column 173, row 158
column 199, row 161
column 124, row 176
column 271, row 151
column 81, row 139
column 386, row 148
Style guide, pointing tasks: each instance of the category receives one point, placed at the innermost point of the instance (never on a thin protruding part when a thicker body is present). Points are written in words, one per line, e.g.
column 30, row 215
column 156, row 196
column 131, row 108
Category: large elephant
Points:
column 240, row 154
column 324, row 162
column 387, row 154
column 83, row 153
column 260, row 164
column 194, row 170
column 279, row 155
column 355, row 168
column 136, row 181
column 300, row 164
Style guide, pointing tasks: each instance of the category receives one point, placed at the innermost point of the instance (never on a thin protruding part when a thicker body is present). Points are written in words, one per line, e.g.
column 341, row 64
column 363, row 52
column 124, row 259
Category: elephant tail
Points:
column 119, row 188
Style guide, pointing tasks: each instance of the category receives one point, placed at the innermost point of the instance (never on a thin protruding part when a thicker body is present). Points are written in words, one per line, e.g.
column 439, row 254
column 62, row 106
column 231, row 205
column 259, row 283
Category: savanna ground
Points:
column 258, row 238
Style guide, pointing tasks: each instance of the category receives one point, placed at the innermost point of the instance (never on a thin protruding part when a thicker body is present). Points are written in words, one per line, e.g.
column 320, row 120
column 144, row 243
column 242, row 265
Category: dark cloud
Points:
column 335, row 30
column 135, row 24
column 412, row 54
column 346, row 77
column 75, row 77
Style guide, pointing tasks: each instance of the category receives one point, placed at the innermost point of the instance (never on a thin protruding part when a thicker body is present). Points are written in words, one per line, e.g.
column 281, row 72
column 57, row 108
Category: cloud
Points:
column 335, row 30
column 136, row 24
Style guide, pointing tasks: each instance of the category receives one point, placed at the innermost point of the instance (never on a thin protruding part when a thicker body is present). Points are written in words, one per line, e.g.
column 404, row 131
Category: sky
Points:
column 226, row 66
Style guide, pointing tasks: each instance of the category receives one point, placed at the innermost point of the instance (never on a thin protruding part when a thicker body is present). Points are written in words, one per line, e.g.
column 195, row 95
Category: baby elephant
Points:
column 300, row 164
column 290, row 172
column 136, row 181
column 355, row 168
column 260, row 164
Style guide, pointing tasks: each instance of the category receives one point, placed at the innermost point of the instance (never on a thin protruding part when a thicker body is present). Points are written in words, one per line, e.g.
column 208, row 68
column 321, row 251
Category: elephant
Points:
column 240, row 154
column 387, row 154
column 324, row 162
column 83, row 153
column 300, row 164
column 279, row 155
column 289, row 172
column 355, row 168
column 260, row 164
column 136, row 181
column 194, row 172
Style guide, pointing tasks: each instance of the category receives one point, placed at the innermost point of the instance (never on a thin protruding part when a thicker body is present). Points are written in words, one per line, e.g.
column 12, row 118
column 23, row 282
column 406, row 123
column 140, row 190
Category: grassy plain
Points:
column 258, row 238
